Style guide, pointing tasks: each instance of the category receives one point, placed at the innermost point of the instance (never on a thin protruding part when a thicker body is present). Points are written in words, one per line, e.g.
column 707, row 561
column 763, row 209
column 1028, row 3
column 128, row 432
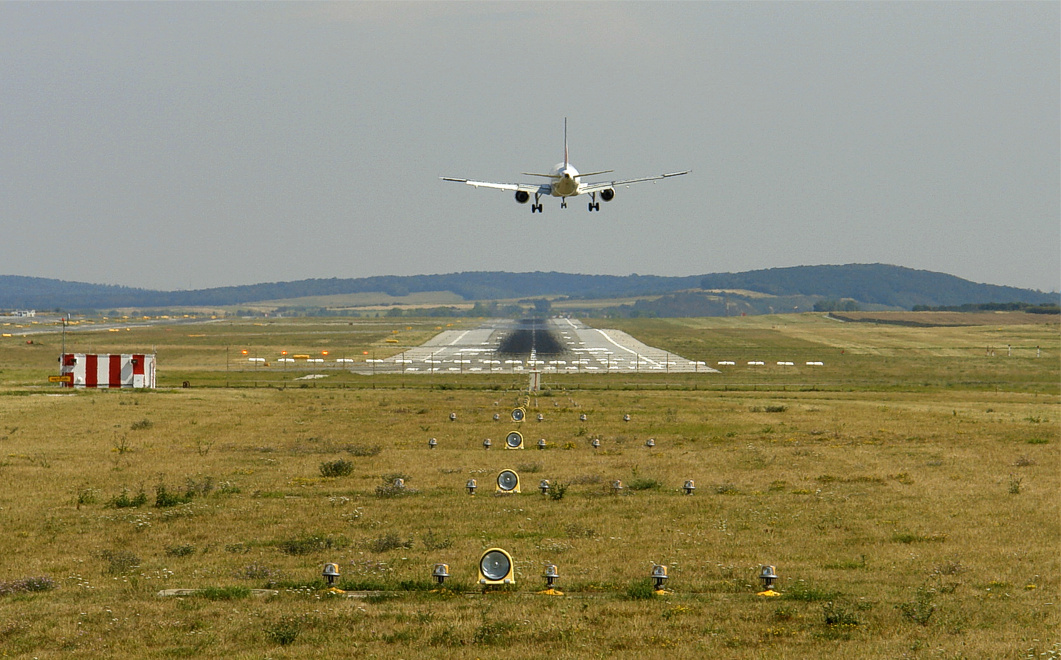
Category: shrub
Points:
column 640, row 589
column 920, row 609
column 27, row 585
column 180, row 550
column 141, row 425
column 643, row 484
column 165, row 499
column 433, row 542
column 284, row 630
column 363, row 450
column 119, row 561
column 835, row 614
column 556, row 491
column 123, row 501
column 388, row 542
column 338, row 468
column 494, row 633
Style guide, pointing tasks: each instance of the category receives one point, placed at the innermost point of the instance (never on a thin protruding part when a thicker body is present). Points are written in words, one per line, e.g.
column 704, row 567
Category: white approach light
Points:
column 495, row 567
column 507, row 482
column 514, row 440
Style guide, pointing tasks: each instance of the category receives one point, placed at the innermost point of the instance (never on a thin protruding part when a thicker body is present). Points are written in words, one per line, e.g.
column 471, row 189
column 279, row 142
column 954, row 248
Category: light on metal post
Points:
column 768, row 576
column 543, row 486
column 541, row 443
column 432, row 443
column 595, row 443
column 440, row 573
column 650, row 443
column 486, row 443
column 330, row 573
column 659, row 575
column 689, row 487
column 471, row 486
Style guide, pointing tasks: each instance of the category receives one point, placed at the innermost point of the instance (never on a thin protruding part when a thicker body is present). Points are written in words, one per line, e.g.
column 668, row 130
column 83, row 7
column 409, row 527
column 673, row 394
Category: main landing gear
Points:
column 594, row 205
column 536, row 207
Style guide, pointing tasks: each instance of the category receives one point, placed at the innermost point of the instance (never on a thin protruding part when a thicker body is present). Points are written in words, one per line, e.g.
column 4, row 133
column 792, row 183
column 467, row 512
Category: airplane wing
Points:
column 602, row 185
column 540, row 188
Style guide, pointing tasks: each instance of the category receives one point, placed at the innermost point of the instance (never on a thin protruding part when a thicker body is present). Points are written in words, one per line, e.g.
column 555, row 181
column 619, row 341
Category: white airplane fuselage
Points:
column 566, row 183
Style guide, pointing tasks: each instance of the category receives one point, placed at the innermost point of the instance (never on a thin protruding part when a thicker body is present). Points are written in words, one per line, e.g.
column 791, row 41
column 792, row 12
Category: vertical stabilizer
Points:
column 565, row 143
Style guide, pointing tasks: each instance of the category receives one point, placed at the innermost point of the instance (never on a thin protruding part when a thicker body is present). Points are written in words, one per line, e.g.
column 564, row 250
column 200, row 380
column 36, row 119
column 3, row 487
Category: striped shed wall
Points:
column 109, row 371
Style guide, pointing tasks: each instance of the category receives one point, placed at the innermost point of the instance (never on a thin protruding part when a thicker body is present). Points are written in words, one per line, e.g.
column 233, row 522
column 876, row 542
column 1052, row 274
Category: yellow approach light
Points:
column 514, row 440
column 507, row 482
column 518, row 414
column 495, row 567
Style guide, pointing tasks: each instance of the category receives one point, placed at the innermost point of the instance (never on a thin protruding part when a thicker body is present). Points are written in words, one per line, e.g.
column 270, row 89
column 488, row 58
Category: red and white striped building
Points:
column 110, row 371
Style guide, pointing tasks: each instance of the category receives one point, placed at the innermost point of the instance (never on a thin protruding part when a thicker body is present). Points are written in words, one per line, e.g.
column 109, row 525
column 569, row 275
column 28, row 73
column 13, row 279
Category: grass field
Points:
column 906, row 490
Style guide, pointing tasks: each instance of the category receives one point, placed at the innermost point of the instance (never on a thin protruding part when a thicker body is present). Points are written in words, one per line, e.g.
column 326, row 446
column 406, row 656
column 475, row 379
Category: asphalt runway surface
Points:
column 546, row 345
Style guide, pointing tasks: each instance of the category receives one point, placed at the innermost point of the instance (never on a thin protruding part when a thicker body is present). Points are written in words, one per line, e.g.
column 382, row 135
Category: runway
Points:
column 548, row 345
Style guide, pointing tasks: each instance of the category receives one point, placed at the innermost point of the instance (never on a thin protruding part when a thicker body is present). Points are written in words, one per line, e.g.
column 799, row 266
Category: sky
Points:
column 192, row 145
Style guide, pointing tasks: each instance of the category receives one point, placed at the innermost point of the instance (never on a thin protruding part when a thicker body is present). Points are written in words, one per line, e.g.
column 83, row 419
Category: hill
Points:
column 801, row 287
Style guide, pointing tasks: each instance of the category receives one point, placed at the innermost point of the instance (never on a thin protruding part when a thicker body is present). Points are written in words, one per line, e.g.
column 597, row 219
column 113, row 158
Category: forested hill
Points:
column 871, row 284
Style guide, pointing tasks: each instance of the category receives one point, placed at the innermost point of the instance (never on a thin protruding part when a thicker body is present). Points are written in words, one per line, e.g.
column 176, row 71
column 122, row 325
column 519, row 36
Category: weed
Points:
column 433, row 542
column 640, row 589
column 644, row 484
column 123, row 501
column 556, row 491
column 337, row 468
column 836, row 614
column 285, row 630
column 141, row 425
column 909, row 537
column 1024, row 461
column 726, row 489
column 119, row 562
column 577, row 531
column 920, row 609
column 87, row 496
column 223, row 593
column 202, row 447
column 305, row 545
column 530, row 468
column 27, row 585
column 257, row 571
column 1014, row 485
column 388, row 542
column 180, row 550
column 769, row 409
column 165, row 499
column 1038, row 441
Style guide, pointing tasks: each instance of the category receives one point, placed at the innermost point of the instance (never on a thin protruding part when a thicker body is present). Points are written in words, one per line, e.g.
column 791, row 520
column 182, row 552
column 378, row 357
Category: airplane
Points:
column 564, row 181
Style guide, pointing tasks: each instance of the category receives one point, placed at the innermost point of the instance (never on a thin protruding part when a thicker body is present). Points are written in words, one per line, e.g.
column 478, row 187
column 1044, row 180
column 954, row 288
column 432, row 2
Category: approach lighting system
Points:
column 582, row 417
column 543, row 486
column 541, row 443
column 617, row 486
column 487, row 443
column 689, row 487
column 541, row 417
column 518, row 414
column 507, row 482
column 551, row 575
column 495, row 567
column 432, row 443
column 471, row 486
column 514, row 440
column 626, row 418
column 595, row 443
column 650, row 443
column 496, row 417
column 453, row 417
column 441, row 572
column 330, row 573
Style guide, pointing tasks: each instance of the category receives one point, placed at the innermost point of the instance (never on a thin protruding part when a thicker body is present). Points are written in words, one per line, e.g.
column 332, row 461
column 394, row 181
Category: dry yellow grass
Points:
column 902, row 521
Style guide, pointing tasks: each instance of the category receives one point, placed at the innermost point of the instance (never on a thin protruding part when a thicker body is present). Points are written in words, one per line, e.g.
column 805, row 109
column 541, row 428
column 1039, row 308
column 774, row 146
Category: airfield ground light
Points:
column 650, row 443
column 495, row 568
column 551, row 575
column 541, row 443
column 514, row 440
column 543, row 486
column 440, row 573
column 689, row 487
column 432, row 443
column 595, row 443
column 507, row 482
column 768, row 576
column 659, row 576
column 330, row 573
column 471, row 486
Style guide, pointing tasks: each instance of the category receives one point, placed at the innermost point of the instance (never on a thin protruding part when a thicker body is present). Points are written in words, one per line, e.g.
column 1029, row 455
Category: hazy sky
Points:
column 189, row 145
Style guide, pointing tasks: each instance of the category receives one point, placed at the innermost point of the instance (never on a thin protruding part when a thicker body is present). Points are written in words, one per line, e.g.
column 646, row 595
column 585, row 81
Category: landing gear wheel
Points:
column 594, row 206
column 536, row 208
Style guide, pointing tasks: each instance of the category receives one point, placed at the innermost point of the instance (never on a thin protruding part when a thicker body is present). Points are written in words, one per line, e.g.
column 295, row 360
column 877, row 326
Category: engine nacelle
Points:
column 607, row 194
column 522, row 196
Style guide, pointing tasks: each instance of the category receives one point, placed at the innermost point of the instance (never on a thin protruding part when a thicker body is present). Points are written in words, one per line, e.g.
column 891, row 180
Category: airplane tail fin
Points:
column 566, row 162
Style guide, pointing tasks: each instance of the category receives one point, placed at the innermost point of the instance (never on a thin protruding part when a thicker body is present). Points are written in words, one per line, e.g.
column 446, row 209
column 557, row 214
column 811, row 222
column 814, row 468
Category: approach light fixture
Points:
column 495, row 567
column 541, row 417
column 440, row 573
column 487, row 443
column 453, row 417
column 551, row 575
column 768, row 576
column 689, row 487
column 496, row 417
column 651, row 442
column 507, row 482
column 617, row 486
column 432, row 443
column 595, row 443
column 514, row 440
column 518, row 414
column 471, row 486
column 626, row 418
column 399, row 484
column 543, row 486
column 330, row 573
column 541, row 443
column 582, row 417
column 659, row 575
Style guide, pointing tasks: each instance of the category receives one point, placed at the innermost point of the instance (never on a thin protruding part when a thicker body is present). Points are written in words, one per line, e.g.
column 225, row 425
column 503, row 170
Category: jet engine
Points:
column 522, row 196
column 607, row 194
